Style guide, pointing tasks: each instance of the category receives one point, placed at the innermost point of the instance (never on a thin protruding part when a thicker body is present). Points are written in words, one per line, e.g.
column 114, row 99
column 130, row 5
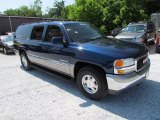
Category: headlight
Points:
column 124, row 62
column 124, row 66
column 140, row 40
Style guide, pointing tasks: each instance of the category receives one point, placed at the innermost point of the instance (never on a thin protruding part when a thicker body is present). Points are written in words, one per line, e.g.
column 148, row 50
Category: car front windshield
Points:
column 82, row 32
column 135, row 28
column 7, row 38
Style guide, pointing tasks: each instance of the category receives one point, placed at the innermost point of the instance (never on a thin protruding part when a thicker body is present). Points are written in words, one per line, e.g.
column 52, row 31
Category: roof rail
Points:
column 33, row 22
column 45, row 21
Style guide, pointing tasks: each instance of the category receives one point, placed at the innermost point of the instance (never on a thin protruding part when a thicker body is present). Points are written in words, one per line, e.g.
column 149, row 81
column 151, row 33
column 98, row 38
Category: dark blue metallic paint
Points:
column 100, row 52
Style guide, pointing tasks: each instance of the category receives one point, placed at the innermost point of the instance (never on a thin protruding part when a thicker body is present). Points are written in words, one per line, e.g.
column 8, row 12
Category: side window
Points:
column 54, row 35
column 37, row 33
column 23, row 32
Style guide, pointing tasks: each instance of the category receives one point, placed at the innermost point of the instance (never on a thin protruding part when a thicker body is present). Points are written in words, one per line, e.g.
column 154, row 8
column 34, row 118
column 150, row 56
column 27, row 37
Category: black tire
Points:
column 5, row 51
column 26, row 65
column 101, row 81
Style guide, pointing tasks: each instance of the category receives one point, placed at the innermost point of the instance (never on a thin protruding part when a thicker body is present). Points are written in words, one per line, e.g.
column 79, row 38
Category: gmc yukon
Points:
column 100, row 65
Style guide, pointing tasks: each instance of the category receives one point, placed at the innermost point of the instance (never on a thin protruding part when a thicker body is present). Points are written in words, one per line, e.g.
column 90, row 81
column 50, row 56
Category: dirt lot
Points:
column 36, row 95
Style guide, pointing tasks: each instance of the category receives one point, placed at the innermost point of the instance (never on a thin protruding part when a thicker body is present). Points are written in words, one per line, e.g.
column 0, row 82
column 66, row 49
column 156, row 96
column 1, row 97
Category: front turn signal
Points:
column 121, row 72
column 119, row 63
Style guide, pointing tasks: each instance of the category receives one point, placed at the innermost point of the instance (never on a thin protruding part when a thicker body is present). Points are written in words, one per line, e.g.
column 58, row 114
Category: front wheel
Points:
column 24, row 61
column 92, row 83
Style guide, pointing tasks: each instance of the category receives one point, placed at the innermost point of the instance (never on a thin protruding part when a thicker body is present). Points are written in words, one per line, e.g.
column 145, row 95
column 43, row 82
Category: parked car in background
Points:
column 99, row 64
column 6, row 44
column 10, row 33
column 116, row 31
column 141, row 32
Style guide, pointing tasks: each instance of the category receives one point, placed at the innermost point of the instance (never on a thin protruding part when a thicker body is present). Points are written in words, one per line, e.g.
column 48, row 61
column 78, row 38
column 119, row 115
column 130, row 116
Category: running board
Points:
column 51, row 72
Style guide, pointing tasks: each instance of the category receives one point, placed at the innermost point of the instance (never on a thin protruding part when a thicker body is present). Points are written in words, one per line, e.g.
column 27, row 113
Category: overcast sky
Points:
column 6, row 4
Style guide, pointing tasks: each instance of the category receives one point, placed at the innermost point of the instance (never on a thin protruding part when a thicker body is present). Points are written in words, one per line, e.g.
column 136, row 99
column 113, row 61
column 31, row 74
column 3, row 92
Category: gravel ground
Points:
column 36, row 95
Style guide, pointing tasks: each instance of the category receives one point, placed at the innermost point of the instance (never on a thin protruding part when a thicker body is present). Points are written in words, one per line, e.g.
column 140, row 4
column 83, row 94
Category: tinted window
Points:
column 82, row 32
column 37, row 33
column 54, row 35
column 23, row 32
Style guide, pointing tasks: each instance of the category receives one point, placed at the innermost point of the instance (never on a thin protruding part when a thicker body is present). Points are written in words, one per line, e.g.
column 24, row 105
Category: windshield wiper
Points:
column 88, row 40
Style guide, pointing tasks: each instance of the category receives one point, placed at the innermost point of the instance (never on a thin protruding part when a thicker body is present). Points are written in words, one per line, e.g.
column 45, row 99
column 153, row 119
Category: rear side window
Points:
column 23, row 32
column 37, row 33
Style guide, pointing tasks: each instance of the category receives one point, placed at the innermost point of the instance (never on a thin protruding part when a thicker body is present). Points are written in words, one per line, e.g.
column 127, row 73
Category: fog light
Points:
column 120, row 71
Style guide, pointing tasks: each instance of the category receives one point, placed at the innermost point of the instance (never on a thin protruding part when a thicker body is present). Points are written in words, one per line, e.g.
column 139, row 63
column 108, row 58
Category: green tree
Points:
column 11, row 12
column 108, row 14
column 87, row 10
column 121, row 12
column 57, row 10
column 22, row 11
column 133, row 11
column 37, row 7
column 31, row 11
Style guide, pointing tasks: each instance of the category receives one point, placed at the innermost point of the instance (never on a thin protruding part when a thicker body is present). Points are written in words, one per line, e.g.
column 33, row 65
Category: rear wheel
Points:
column 24, row 61
column 92, row 83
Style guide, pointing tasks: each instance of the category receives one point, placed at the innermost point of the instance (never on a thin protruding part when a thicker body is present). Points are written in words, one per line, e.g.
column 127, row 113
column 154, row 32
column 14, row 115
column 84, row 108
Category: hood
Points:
column 126, row 35
column 116, row 48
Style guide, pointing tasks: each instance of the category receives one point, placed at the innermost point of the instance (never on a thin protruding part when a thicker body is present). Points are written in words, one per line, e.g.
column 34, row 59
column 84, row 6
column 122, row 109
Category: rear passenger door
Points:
column 34, row 47
column 53, row 51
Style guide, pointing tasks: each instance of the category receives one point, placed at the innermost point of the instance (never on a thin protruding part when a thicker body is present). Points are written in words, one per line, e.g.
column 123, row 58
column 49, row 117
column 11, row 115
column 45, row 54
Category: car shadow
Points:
column 10, row 54
column 139, row 102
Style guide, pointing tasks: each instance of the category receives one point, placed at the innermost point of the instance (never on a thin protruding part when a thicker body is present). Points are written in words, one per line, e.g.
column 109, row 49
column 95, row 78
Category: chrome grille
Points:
column 141, row 62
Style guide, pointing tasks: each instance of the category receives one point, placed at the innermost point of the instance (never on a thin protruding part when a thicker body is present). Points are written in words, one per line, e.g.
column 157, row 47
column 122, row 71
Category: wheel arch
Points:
column 22, row 50
column 80, row 64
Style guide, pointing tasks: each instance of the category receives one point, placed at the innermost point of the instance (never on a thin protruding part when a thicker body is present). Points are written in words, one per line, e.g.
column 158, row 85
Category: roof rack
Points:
column 32, row 22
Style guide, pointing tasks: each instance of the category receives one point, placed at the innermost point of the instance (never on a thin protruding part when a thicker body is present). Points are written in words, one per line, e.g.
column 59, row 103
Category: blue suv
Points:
column 100, row 65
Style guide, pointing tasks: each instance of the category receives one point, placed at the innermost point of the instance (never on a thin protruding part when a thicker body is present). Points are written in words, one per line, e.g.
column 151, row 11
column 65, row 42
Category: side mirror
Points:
column 60, row 41
column 65, row 43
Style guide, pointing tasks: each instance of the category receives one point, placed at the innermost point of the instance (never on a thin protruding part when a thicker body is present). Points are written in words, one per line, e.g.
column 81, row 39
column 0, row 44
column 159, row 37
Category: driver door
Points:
column 54, row 52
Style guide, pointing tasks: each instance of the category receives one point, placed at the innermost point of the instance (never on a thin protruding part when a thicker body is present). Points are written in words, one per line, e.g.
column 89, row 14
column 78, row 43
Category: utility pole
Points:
column 10, row 22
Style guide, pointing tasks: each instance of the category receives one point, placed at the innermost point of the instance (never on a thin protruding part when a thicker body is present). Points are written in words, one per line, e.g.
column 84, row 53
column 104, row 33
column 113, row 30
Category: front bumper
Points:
column 117, row 83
